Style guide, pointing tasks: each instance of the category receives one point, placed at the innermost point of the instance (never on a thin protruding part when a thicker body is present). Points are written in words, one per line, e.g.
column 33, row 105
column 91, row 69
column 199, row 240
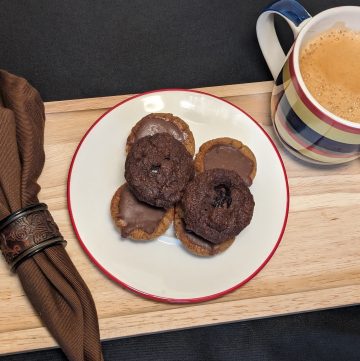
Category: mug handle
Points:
column 294, row 14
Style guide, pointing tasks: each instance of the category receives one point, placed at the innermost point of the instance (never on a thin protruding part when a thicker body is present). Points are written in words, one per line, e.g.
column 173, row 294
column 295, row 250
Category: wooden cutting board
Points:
column 316, row 266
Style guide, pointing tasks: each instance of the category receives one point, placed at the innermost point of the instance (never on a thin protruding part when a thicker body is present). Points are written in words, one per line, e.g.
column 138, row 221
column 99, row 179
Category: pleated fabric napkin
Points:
column 49, row 278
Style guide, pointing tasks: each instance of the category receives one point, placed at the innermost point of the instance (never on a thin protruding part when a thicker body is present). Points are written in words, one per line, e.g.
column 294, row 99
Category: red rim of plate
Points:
column 166, row 299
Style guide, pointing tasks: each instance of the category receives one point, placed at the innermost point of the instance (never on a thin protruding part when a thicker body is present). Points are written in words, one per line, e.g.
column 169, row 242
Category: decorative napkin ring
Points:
column 26, row 232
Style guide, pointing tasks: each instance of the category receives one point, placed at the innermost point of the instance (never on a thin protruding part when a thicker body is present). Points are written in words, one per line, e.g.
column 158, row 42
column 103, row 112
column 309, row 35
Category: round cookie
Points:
column 162, row 123
column 217, row 205
column 138, row 220
column 194, row 243
column 158, row 169
column 227, row 153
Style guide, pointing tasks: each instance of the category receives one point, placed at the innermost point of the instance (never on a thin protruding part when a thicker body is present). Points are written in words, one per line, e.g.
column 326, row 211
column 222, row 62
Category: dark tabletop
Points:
column 76, row 49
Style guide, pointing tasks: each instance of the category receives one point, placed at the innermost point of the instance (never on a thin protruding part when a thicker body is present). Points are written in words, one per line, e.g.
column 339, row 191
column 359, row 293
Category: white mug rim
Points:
column 298, row 75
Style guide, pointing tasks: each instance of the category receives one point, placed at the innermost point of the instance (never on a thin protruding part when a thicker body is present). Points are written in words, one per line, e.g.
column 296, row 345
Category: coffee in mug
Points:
column 330, row 67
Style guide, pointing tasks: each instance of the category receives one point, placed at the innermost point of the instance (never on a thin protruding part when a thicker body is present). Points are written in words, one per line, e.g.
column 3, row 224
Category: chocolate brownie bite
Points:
column 217, row 205
column 195, row 244
column 158, row 169
column 137, row 220
column 227, row 153
column 162, row 123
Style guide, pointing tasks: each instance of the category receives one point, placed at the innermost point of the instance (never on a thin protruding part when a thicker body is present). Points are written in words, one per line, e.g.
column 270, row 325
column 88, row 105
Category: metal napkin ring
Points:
column 26, row 232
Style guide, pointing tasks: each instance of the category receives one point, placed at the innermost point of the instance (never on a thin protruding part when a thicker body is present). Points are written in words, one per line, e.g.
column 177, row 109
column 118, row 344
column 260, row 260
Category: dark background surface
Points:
column 76, row 49
column 331, row 335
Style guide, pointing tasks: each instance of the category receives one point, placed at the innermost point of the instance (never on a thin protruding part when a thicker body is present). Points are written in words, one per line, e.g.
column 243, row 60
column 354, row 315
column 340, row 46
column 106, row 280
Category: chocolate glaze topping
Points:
column 138, row 215
column 228, row 157
column 152, row 125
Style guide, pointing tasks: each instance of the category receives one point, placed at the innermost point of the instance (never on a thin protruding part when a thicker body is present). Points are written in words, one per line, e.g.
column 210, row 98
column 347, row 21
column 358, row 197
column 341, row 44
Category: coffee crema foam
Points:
column 330, row 67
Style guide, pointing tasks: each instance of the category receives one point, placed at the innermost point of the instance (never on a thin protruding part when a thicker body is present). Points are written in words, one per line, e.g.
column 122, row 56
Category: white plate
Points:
column 162, row 269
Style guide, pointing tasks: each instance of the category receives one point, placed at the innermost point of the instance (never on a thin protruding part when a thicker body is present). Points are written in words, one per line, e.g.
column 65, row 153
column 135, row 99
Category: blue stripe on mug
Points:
column 310, row 135
column 291, row 9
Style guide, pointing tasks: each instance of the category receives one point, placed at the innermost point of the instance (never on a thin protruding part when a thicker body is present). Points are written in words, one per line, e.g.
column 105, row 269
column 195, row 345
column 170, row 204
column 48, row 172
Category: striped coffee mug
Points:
column 307, row 129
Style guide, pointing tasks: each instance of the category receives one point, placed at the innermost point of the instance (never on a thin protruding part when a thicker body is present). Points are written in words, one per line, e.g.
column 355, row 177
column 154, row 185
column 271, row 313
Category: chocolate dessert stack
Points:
column 159, row 164
column 209, row 209
column 217, row 204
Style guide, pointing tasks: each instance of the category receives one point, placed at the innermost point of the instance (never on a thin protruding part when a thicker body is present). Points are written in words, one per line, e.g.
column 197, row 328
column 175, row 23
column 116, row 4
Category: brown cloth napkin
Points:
column 50, row 280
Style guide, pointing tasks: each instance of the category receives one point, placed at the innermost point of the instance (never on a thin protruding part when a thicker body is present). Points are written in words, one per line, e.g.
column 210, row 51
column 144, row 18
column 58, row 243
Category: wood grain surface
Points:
column 316, row 266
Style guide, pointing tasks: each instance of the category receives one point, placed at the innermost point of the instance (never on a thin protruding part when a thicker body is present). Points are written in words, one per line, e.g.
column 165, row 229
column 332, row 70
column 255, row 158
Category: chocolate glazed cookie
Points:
column 162, row 123
column 137, row 220
column 158, row 169
column 227, row 153
column 217, row 205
